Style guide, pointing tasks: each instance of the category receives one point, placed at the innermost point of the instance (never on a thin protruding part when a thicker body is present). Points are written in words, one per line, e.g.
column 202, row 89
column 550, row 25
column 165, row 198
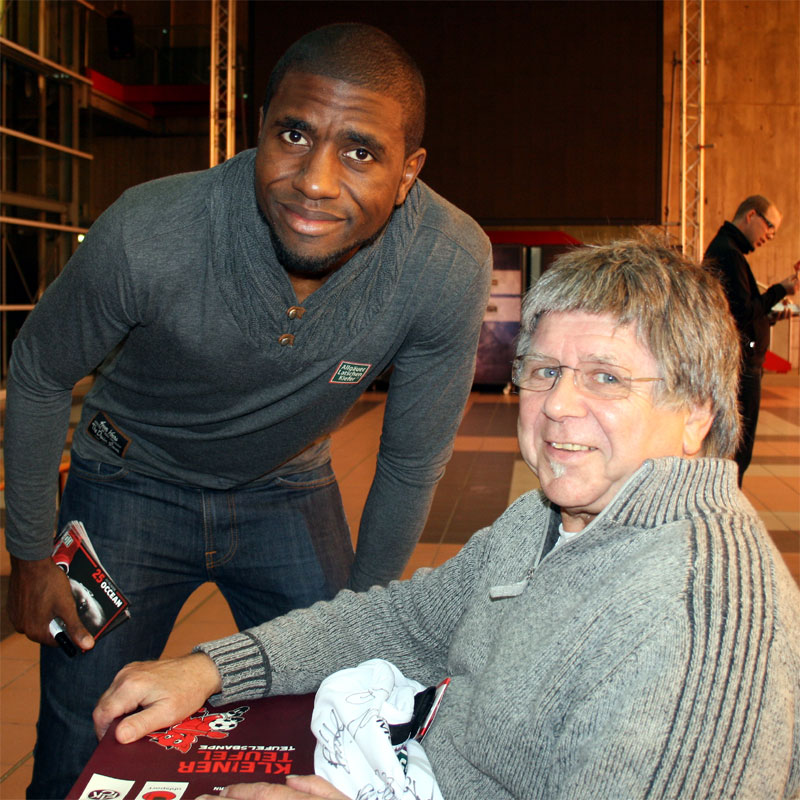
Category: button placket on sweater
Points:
column 293, row 313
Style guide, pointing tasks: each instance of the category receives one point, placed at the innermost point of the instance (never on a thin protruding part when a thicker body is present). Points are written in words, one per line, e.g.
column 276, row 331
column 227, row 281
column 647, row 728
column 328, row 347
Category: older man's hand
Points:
column 167, row 691
column 298, row 787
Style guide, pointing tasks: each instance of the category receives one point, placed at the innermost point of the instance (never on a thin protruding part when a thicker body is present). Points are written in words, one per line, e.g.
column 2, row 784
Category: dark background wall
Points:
column 538, row 112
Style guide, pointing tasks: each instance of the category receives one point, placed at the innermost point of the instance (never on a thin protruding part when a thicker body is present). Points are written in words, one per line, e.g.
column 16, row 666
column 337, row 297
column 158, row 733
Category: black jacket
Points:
column 726, row 255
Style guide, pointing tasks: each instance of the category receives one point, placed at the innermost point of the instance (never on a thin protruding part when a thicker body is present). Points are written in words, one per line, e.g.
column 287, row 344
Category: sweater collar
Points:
column 739, row 239
column 666, row 490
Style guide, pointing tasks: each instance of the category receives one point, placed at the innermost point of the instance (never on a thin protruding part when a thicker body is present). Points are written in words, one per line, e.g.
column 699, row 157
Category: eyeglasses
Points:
column 609, row 381
column 770, row 225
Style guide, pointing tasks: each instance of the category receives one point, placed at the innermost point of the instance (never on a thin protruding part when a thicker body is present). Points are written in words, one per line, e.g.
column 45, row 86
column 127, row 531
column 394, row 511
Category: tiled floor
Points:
column 484, row 475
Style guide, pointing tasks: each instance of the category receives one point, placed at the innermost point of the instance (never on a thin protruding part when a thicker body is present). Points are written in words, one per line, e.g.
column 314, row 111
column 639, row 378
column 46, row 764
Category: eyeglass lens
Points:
column 603, row 380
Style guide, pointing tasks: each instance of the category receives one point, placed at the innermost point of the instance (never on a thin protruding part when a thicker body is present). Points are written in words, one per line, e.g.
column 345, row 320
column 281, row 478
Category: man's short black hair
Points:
column 362, row 55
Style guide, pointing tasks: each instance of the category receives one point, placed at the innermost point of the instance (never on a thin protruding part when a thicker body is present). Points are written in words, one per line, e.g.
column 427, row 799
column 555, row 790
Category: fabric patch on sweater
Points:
column 108, row 434
column 349, row 372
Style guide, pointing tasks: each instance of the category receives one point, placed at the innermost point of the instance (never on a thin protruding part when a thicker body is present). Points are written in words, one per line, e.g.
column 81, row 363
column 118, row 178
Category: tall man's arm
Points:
column 428, row 390
column 80, row 318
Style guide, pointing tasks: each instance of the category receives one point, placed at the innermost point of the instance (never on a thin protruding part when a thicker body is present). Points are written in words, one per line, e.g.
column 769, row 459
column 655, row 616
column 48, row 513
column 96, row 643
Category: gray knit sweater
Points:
column 177, row 291
column 654, row 656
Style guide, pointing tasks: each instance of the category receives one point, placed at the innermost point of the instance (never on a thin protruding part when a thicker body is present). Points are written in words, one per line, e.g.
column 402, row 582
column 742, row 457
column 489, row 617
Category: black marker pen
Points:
column 60, row 635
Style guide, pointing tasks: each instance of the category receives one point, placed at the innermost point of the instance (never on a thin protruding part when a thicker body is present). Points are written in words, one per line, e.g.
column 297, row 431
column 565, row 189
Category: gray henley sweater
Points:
column 654, row 656
column 176, row 293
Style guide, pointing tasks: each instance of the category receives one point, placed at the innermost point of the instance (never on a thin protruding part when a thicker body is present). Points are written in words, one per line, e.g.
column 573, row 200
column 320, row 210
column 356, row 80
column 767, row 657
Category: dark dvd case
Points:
column 101, row 605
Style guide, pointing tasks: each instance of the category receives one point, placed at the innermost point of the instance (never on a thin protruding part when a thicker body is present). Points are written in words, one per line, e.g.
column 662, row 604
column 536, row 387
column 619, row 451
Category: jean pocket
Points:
column 313, row 479
column 96, row 470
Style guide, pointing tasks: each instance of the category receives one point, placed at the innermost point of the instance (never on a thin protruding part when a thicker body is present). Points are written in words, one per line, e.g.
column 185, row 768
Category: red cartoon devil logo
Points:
column 202, row 723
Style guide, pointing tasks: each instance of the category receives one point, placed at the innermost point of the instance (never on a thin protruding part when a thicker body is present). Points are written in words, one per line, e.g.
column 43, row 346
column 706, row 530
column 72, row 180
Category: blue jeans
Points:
column 270, row 548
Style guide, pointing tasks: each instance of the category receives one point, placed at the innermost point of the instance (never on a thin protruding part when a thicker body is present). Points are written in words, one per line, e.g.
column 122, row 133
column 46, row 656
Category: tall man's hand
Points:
column 39, row 591
column 167, row 691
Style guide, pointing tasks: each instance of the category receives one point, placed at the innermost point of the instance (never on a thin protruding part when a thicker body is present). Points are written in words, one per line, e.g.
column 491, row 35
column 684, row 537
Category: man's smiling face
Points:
column 330, row 168
column 583, row 448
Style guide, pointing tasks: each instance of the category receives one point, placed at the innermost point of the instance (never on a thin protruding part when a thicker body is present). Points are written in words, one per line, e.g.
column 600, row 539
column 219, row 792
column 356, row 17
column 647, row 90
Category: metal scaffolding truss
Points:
column 222, row 106
column 44, row 157
column 693, row 91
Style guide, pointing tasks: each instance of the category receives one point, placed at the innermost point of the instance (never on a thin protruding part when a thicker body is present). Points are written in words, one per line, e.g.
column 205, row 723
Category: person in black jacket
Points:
column 756, row 222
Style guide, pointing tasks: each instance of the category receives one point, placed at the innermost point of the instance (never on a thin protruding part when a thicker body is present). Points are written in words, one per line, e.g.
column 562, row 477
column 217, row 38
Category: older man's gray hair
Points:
column 677, row 309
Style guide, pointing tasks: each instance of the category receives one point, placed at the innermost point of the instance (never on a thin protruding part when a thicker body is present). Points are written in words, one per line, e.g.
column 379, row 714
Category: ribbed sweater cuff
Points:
column 243, row 664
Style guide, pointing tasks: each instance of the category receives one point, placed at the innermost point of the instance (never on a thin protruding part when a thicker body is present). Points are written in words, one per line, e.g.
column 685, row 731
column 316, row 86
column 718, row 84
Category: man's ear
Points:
column 411, row 168
column 696, row 427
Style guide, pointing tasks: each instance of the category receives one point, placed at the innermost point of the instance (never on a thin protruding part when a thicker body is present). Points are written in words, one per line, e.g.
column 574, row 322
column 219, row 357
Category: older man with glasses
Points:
column 755, row 222
column 626, row 632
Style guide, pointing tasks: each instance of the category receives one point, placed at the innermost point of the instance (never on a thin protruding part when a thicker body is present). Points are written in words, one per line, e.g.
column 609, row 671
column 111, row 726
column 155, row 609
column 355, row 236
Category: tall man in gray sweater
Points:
column 236, row 315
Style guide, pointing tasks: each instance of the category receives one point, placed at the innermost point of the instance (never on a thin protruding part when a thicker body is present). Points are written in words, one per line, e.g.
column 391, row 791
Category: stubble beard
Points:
column 316, row 266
